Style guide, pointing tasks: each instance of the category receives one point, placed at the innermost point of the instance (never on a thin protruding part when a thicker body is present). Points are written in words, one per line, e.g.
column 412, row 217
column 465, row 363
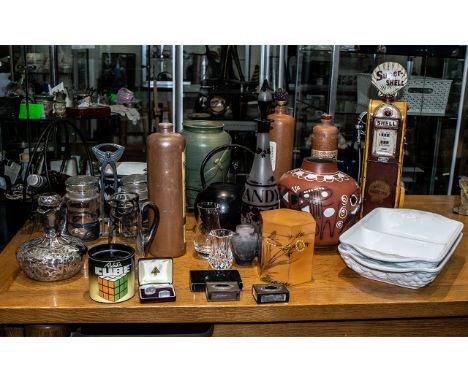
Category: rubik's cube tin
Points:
column 111, row 273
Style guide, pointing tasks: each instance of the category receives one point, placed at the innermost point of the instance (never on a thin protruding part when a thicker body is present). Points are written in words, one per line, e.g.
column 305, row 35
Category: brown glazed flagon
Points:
column 281, row 140
column 166, row 169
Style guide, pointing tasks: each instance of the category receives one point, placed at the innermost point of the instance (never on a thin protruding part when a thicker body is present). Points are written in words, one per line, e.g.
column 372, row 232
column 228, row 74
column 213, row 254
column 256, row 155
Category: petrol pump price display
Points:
column 385, row 142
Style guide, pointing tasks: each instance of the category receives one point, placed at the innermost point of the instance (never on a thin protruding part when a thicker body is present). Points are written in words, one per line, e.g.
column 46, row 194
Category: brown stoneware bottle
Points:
column 281, row 136
column 166, row 178
column 325, row 139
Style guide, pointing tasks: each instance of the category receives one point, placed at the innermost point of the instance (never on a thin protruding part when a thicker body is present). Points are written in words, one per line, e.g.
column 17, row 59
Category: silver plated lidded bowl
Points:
column 54, row 255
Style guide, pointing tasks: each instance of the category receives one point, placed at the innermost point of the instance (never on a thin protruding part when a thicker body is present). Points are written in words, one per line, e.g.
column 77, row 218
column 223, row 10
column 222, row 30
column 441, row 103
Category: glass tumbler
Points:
column 221, row 250
column 207, row 220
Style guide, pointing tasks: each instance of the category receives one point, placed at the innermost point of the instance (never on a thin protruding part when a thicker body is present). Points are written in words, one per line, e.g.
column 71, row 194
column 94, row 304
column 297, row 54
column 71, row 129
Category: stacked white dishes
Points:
column 400, row 246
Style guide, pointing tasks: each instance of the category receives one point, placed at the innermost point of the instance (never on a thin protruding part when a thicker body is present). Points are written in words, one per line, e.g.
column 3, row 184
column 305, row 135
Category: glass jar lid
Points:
column 134, row 179
column 82, row 187
column 140, row 189
column 49, row 199
column 81, row 181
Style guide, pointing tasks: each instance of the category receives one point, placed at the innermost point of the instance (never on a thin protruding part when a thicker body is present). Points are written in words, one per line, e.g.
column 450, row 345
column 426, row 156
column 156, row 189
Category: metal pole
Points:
column 335, row 66
column 267, row 62
column 12, row 65
column 435, row 156
column 261, row 76
column 53, row 65
column 147, row 67
column 281, row 65
column 26, row 80
column 247, row 62
column 297, row 91
column 173, row 111
column 456, row 138
column 179, row 88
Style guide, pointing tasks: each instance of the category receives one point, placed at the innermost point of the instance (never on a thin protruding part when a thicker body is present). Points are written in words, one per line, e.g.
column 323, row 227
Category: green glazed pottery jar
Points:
column 201, row 137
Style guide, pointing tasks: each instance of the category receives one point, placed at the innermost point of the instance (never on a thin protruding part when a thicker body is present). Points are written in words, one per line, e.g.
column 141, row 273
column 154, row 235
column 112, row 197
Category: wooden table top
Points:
column 335, row 293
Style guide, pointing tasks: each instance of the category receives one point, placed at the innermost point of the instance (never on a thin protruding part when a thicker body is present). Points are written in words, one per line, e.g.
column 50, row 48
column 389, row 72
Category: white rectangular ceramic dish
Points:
column 399, row 235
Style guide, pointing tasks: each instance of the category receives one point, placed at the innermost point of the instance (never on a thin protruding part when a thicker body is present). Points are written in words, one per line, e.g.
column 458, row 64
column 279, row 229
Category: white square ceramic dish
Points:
column 399, row 235
column 402, row 266
column 413, row 224
column 413, row 279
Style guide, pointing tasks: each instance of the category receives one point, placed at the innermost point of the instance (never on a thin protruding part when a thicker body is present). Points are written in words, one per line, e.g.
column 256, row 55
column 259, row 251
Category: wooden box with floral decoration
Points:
column 287, row 246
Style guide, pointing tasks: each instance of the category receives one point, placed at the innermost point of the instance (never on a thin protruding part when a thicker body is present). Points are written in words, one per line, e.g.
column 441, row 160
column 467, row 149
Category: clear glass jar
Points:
column 82, row 199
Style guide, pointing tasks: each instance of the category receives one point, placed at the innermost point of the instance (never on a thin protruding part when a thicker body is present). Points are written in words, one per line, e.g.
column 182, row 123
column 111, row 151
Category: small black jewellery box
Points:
column 268, row 293
column 222, row 291
column 155, row 280
column 199, row 278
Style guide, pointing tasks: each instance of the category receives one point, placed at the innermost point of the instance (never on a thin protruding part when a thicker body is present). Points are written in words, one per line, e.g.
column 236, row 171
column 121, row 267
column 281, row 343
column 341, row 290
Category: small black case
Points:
column 199, row 278
column 270, row 293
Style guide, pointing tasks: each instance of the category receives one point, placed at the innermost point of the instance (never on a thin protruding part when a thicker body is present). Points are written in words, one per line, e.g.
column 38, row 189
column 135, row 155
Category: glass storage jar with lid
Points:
column 137, row 184
column 82, row 200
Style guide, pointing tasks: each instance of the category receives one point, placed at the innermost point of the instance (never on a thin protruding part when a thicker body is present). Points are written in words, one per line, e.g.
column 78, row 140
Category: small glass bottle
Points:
column 82, row 201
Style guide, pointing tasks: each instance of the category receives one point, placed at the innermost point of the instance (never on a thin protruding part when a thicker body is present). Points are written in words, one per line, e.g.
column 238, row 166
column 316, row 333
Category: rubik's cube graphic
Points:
column 113, row 288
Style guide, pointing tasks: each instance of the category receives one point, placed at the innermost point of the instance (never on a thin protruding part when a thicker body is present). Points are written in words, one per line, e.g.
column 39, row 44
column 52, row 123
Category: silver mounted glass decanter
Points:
column 53, row 256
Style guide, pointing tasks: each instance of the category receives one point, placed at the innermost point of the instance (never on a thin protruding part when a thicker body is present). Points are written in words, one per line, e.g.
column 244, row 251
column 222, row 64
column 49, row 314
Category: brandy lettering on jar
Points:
column 261, row 196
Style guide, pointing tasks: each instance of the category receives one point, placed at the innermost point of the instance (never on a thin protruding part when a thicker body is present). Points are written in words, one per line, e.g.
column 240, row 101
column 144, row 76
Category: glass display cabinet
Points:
column 336, row 79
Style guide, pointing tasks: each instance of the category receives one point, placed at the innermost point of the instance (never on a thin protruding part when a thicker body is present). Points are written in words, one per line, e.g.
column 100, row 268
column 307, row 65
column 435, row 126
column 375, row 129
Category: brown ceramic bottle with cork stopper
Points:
column 281, row 135
column 332, row 197
column 325, row 139
column 166, row 178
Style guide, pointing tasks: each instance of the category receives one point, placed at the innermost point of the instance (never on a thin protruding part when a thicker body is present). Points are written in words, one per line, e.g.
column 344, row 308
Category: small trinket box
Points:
column 155, row 280
column 269, row 293
column 199, row 278
column 222, row 291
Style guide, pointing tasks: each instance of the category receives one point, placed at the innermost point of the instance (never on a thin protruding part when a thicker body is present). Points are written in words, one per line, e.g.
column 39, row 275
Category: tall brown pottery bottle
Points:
column 281, row 135
column 331, row 196
column 166, row 178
